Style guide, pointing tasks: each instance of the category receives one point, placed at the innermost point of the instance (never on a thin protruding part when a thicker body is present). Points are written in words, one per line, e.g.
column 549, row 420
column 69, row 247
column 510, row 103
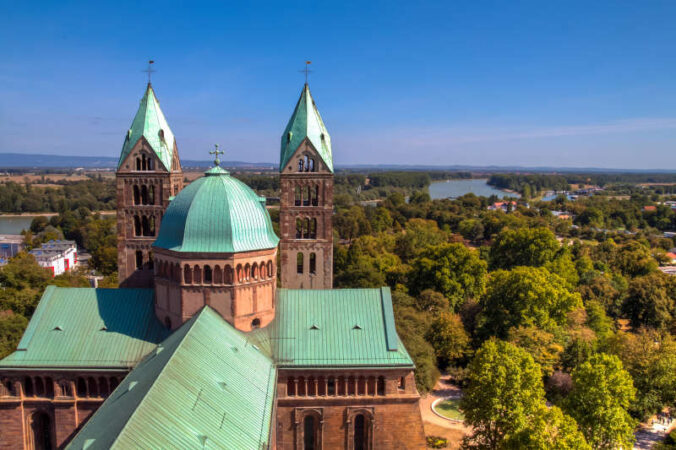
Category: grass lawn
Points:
column 449, row 408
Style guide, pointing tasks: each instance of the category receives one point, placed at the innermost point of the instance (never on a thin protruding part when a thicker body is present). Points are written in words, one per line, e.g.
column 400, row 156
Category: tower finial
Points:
column 306, row 70
column 216, row 152
column 150, row 70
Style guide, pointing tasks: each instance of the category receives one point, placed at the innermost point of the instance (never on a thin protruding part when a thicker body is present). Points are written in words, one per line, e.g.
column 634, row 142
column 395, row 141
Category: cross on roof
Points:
column 306, row 70
column 216, row 152
column 150, row 70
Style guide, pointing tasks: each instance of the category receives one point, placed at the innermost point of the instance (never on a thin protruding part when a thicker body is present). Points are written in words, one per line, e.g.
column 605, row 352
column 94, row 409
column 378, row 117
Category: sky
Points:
column 528, row 83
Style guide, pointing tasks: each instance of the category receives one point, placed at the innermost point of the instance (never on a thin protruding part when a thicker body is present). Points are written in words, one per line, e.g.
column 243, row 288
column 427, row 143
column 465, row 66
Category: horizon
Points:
column 527, row 85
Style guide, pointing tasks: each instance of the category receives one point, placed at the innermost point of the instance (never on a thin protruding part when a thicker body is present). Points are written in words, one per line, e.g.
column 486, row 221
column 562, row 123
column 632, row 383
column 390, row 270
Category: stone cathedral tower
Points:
column 306, row 178
column 148, row 175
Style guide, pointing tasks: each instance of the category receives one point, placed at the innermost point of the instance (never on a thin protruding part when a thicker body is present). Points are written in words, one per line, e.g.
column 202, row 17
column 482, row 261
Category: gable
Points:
column 204, row 387
column 305, row 149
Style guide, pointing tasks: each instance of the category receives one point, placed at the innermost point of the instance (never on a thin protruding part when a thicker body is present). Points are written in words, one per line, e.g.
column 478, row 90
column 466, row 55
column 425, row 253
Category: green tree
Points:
column 650, row 358
column 651, row 300
column 418, row 235
column 602, row 393
column 12, row 327
column 504, row 390
column 448, row 337
column 526, row 296
column 431, row 301
column 452, row 269
column 412, row 325
column 523, row 247
column 538, row 343
column 549, row 428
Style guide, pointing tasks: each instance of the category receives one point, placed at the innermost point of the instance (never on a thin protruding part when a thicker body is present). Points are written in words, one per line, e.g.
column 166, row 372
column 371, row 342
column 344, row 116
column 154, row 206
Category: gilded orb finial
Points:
column 216, row 152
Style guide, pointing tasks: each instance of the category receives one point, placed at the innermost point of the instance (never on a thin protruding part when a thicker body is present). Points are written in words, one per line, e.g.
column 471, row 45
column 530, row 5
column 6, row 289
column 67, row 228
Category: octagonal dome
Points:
column 216, row 214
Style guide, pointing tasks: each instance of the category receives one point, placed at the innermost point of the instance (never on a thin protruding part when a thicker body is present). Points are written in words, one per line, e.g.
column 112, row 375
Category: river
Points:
column 457, row 188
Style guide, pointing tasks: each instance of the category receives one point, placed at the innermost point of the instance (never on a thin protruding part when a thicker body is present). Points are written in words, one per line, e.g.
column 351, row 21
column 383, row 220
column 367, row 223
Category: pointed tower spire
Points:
column 306, row 122
column 150, row 124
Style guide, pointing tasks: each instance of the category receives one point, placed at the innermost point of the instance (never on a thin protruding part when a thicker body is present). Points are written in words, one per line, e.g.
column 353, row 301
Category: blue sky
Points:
column 532, row 83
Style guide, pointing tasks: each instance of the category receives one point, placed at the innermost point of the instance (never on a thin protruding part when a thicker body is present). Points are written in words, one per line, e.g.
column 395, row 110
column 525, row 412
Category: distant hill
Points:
column 30, row 161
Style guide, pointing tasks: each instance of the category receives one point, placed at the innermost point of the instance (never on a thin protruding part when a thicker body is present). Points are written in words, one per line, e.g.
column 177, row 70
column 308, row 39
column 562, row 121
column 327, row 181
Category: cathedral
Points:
column 214, row 340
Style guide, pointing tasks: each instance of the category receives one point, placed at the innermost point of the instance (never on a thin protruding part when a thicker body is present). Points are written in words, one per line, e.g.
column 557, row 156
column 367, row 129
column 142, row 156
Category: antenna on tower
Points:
column 150, row 70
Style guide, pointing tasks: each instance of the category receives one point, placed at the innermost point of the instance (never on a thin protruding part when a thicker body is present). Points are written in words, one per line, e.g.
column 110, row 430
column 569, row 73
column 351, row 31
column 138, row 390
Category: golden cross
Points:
column 216, row 152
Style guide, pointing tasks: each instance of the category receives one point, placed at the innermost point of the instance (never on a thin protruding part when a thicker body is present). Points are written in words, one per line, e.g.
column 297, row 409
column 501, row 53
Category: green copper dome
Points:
column 216, row 214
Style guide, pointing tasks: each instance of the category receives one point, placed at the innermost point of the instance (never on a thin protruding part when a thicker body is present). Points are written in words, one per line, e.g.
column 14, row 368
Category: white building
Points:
column 58, row 256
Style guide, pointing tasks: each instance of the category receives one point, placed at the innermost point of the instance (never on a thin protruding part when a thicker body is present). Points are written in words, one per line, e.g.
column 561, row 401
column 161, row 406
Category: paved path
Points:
column 648, row 436
column 454, row 431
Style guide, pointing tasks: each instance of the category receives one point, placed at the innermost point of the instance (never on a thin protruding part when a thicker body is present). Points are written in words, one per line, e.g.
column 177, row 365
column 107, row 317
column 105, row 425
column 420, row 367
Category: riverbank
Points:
column 455, row 188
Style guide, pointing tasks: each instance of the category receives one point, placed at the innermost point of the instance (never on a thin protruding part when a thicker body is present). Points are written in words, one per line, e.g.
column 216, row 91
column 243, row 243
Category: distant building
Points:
column 650, row 208
column 56, row 255
column 563, row 215
column 672, row 257
column 10, row 245
column 504, row 206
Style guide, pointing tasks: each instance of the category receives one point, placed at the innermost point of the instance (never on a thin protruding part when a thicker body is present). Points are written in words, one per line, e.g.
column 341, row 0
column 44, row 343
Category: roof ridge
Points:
column 194, row 320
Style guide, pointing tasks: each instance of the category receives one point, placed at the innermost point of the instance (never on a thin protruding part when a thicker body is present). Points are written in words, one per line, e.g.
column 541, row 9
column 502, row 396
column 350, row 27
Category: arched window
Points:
column 299, row 228
column 49, row 387
column 306, row 196
column 151, row 261
column 41, row 431
column 402, row 383
column 151, row 225
column 240, row 275
column 256, row 323
column 315, row 196
column 247, row 272
column 138, row 163
column 331, row 386
column 187, row 274
column 313, row 263
column 381, row 385
column 137, row 195
column 307, row 166
column 28, row 387
column 137, row 226
column 143, row 162
column 177, row 272
column 145, row 226
column 218, row 275
column 103, row 386
column 208, row 279
column 312, row 165
column 306, row 228
column 297, row 198
column 39, row 387
column 254, row 271
column 81, row 387
column 299, row 263
column 270, row 273
column 151, row 195
column 93, row 389
column 313, row 229
column 197, row 275
column 151, row 163
column 300, row 165
column 310, row 433
column 290, row 387
column 228, row 275
column 360, row 430
column 144, row 194
column 65, row 387
column 139, row 260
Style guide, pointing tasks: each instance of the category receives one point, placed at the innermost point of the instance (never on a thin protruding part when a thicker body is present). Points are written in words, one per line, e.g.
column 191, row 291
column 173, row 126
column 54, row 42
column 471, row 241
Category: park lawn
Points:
column 450, row 408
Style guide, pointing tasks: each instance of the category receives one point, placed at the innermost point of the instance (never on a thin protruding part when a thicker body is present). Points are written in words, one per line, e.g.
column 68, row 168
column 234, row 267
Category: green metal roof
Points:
column 206, row 386
column 217, row 214
column 333, row 328
column 85, row 327
column 150, row 123
column 306, row 122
